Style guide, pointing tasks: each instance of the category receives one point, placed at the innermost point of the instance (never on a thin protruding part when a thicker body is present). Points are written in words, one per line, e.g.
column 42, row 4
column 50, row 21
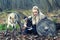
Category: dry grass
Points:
column 51, row 15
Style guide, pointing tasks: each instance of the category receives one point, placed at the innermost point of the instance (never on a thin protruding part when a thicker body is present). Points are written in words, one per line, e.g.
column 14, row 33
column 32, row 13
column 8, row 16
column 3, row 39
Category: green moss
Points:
column 4, row 27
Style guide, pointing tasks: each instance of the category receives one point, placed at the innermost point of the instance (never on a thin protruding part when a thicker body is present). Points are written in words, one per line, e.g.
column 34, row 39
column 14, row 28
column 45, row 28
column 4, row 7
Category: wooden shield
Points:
column 46, row 27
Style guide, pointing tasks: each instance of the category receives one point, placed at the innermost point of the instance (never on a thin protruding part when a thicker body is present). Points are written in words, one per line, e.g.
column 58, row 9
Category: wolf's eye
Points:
column 15, row 16
column 10, row 17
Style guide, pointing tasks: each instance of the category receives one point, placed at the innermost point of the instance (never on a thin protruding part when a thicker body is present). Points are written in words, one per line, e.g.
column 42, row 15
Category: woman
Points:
column 36, row 16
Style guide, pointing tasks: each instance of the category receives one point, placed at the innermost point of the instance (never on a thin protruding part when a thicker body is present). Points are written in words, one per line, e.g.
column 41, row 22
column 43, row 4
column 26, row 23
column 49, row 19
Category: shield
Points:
column 46, row 27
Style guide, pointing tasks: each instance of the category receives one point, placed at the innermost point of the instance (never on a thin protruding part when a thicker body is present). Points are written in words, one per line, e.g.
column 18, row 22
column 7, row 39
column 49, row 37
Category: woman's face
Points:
column 35, row 12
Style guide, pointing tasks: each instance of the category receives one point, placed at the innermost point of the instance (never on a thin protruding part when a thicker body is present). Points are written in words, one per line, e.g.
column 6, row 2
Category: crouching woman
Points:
column 41, row 23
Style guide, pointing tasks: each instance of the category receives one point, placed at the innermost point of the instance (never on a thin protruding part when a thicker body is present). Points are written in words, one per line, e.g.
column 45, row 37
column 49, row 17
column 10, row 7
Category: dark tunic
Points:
column 31, row 27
